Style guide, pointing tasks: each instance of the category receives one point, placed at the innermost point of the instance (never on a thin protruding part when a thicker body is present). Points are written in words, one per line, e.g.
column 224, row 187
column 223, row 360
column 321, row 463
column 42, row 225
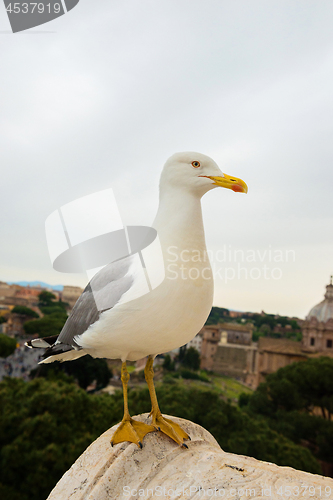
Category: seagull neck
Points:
column 179, row 221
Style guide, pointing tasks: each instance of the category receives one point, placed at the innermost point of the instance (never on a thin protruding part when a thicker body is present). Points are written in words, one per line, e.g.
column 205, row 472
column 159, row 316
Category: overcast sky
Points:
column 103, row 95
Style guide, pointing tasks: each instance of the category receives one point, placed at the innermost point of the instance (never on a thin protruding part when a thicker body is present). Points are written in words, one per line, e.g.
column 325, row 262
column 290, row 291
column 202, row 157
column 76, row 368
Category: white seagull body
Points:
column 134, row 325
column 170, row 315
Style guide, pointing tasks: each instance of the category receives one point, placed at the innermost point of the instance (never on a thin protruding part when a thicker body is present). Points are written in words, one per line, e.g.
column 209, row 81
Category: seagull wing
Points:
column 103, row 292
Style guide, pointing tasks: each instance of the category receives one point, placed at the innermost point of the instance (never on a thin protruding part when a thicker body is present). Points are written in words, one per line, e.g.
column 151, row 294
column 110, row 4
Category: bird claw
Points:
column 171, row 429
column 131, row 430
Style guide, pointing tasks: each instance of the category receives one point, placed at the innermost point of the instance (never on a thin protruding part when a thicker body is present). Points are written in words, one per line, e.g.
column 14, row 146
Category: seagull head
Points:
column 197, row 173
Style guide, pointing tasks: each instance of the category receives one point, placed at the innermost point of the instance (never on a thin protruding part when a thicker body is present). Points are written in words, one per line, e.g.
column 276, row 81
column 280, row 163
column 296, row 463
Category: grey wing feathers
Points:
column 83, row 314
column 105, row 289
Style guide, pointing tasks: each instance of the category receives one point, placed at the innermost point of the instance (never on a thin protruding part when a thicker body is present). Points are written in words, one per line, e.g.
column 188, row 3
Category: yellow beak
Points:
column 229, row 182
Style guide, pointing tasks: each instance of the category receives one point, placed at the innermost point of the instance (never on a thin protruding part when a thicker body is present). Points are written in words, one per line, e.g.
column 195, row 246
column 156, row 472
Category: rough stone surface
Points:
column 162, row 469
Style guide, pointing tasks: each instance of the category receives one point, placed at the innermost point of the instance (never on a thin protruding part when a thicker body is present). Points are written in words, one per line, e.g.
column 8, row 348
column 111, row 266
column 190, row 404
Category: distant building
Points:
column 236, row 333
column 70, row 294
column 17, row 295
column 7, row 292
column 227, row 348
column 211, row 336
column 196, row 342
column 317, row 332
column 235, row 314
column 276, row 353
column 317, row 329
column 5, row 310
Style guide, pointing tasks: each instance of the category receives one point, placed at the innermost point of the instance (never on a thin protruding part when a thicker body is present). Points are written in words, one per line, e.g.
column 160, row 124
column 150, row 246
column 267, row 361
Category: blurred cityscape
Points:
column 245, row 346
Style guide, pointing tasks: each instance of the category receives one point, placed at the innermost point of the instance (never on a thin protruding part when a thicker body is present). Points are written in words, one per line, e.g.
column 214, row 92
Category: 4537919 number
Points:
column 30, row 7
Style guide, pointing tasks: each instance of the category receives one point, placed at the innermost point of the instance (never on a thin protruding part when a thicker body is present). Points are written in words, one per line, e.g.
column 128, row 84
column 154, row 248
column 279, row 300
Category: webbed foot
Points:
column 171, row 429
column 131, row 430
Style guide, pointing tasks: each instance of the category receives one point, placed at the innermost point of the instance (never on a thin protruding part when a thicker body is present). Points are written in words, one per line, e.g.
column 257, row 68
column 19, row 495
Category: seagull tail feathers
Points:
column 55, row 350
column 64, row 356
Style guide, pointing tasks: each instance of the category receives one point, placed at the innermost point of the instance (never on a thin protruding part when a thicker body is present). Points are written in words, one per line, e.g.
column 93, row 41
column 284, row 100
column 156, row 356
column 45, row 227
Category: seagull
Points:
column 170, row 315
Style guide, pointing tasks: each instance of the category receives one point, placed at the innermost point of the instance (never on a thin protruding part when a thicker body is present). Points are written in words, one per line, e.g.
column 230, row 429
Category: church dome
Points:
column 324, row 310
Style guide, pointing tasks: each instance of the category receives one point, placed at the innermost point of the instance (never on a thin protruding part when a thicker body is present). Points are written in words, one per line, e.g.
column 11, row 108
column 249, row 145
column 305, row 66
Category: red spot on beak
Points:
column 237, row 188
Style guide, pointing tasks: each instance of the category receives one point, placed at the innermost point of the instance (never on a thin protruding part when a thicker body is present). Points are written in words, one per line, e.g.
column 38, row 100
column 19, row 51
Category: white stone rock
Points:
column 164, row 470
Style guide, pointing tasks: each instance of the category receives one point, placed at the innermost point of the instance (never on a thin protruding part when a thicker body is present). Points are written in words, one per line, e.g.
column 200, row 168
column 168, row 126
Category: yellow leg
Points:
column 129, row 429
column 165, row 425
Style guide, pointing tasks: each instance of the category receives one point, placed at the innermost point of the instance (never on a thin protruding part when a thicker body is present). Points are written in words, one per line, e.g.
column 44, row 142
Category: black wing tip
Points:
column 41, row 342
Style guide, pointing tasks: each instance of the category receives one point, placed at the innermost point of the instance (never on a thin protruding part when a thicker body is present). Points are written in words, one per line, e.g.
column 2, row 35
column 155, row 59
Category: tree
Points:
column 48, row 305
column 7, row 345
column 51, row 324
column 181, row 353
column 55, row 317
column 26, row 311
column 85, row 370
column 269, row 320
column 298, row 386
column 168, row 364
column 46, row 298
column 191, row 359
column 216, row 315
column 46, row 424
column 288, row 398
column 265, row 329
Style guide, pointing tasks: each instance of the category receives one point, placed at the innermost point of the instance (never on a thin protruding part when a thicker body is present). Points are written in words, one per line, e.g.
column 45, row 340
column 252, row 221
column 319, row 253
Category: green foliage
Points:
column 85, row 370
column 44, row 426
column 256, row 334
column 295, row 335
column 189, row 374
column 46, row 298
column 204, row 377
column 51, row 324
column 169, row 379
column 7, row 346
column 54, row 319
column 52, row 307
column 2, row 320
column 191, row 359
column 181, row 353
column 26, row 311
column 217, row 315
column 57, row 308
column 244, row 399
column 265, row 329
column 168, row 364
column 229, row 387
column 288, row 398
column 298, row 386
column 265, row 323
column 302, row 427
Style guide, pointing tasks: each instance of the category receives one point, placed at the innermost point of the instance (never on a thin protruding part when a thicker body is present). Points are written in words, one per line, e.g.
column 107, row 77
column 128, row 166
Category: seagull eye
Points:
column 195, row 164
